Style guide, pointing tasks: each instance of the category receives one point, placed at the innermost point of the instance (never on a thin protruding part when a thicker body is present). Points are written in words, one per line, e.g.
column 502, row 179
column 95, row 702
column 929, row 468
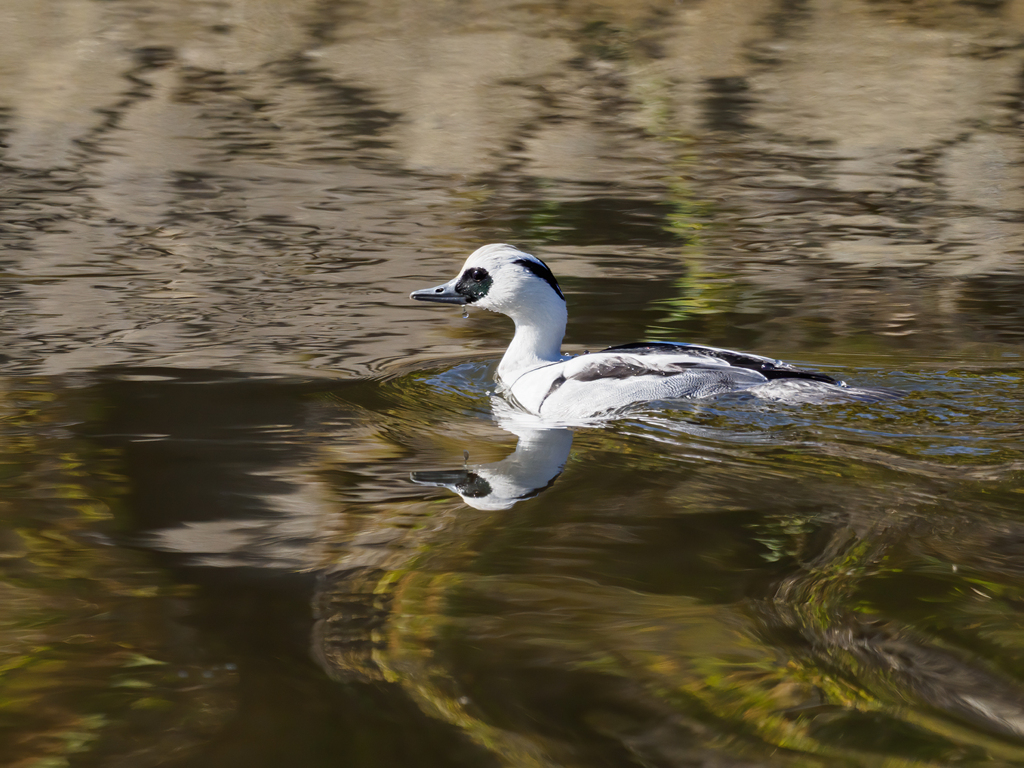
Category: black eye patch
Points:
column 474, row 486
column 474, row 284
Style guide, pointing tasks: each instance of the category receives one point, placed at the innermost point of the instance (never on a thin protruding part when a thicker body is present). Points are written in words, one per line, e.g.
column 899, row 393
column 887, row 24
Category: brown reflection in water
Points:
column 687, row 588
column 788, row 603
column 551, row 668
column 251, row 185
column 84, row 648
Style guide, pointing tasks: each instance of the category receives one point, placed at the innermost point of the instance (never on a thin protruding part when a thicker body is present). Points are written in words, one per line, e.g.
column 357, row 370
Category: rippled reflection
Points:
column 535, row 464
column 594, row 598
column 648, row 618
column 729, row 578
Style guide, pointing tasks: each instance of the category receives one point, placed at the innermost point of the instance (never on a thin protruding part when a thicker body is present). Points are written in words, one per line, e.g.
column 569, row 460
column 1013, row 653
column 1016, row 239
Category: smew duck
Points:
column 536, row 376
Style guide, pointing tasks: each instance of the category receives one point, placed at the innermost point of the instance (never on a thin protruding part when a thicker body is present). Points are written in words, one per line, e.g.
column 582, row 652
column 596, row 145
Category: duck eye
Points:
column 474, row 284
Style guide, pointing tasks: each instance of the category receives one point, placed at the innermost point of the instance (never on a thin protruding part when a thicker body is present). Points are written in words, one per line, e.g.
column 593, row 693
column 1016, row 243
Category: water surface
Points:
column 260, row 509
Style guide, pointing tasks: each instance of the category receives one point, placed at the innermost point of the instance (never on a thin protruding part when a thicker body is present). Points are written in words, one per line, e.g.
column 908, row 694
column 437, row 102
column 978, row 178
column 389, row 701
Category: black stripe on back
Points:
column 767, row 368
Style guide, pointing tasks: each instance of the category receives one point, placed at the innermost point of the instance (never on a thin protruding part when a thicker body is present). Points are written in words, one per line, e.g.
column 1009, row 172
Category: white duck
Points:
column 536, row 376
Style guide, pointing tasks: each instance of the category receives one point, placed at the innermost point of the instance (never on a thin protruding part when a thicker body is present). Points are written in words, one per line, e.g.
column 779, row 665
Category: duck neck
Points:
column 538, row 341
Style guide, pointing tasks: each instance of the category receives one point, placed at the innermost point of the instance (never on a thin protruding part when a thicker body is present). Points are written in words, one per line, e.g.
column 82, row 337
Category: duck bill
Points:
column 442, row 294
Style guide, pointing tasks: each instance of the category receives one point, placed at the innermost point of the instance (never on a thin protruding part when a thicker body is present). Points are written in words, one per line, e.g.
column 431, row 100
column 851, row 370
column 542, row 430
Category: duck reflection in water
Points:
column 534, row 466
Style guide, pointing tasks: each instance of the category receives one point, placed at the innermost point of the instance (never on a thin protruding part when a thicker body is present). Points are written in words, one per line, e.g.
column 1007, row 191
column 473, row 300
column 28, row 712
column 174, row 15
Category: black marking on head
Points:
column 540, row 269
column 474, row 284
column 538, row 491
column 474, row 486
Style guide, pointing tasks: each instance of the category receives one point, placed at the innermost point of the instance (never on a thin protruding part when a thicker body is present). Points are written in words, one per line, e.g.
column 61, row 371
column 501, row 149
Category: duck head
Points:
column 500, row 278
column 534, row 466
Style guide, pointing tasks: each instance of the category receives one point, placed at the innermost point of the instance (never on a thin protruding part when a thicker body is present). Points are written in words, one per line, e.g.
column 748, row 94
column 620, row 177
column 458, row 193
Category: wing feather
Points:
column 766, row 366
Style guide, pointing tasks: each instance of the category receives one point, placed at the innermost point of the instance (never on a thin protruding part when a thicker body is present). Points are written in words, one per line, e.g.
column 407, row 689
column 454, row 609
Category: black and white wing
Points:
column 619, row 377
column 616, row 378
column 700, row 354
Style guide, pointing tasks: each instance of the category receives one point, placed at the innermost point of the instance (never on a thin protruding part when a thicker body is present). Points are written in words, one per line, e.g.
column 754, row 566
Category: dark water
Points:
column 226, row 434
